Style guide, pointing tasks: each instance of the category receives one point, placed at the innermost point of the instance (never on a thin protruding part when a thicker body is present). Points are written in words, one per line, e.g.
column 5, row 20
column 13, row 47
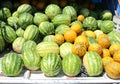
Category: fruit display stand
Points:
column 37, row 77
column 28, row 76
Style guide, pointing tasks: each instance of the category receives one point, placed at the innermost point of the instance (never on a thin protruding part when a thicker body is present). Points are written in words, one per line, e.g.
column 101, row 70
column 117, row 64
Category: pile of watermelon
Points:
column 30, row 34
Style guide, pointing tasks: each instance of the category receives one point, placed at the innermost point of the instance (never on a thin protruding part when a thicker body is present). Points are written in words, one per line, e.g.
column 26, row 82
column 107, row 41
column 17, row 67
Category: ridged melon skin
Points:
column 52, row 10
column 71, row 64
column 13, row 21
column 31, row 32
column 93, row 63
column 44, row 48
column 70, row 10
column 61, row 29
column 20, row 32
column 12, row 64
column 65, row 48
column 51, row 64
column 29, row 44
column 2, row 43
column 31, row 59
column 48, row 38
column 24, row 8
column 61, row 19
column 46, row 28
column 5, row 13
column 9, row 34
column 25, row 19
column 39, row 17
column 17, row 44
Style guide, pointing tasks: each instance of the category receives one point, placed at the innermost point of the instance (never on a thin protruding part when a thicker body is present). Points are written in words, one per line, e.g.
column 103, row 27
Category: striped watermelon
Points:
column 46, row 28
column 29, row 44
column 31, row 59
column 24, row 8
column 24, row 20
column 2, row 24
column 31, row 32
column 39, row 17
column 52, row 10
column 12, row 64
column 65, row 48
column 17, row 44
column 44, row 48
column 20, row 32
column 70, row 10
column 48, row 38
column 51, row 64
column 2, row 43
column 15, row 14
column 61, row 29
column 93, row 63
column 9, row 34
column 13, row 21
column 5, row 13
column 61, row 19
column 71, row 64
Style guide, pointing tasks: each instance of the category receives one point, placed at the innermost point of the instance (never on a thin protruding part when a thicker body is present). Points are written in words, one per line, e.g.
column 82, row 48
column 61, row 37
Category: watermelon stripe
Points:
column 11, row 64
column 2, row 46
column 46, row 28
column 31, row 32
column 31, row 57
column 71, row 64
column 24, row 8
column 9, row 34
column 93, row 63
column 51, row 64
column 47, row 47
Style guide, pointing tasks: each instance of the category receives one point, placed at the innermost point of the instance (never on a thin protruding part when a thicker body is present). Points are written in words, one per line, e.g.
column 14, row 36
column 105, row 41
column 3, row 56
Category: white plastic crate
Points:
column 116, row 20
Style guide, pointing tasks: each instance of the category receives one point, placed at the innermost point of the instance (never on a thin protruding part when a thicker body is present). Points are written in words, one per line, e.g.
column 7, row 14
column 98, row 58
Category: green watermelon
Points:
column 13, row 21
column 71, row 64
column 93, row 63
column 52, row 10
column 15, row 14
column 48, row 38
column 39, row 17
column 31, row 59
column 61, row 19
column 20, row 32
column 106, row 15
column 90, row 23
column 107, row 26
column 12, row 64
column 70, row 10
column 5, row 13
column 2, row 24
column 24, row 20
column 31, row 32
column 46, row 28
column 24, row 8
column 65, row 49
column 9, row 34
column 51, row 64
column 61, row 29
column 2, row 43
column 84, row 11
column 17, row 44
column 44, row 48
column 29, row 44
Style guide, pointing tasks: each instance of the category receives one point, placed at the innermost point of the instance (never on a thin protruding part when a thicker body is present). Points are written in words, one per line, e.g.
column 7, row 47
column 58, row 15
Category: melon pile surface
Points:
column 59, row 38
